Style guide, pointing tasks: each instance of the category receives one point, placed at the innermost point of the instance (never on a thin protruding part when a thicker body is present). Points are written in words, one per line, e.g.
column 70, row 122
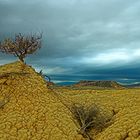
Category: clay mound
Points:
column 103, row 84
column 29, row 110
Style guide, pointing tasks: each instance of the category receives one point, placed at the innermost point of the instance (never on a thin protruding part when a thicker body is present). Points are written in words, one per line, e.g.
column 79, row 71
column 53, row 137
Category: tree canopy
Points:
column 21, row 46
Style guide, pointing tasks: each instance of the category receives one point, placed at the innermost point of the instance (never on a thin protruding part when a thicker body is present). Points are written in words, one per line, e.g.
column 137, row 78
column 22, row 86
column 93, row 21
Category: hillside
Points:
column 31, row 111
column 102, row 84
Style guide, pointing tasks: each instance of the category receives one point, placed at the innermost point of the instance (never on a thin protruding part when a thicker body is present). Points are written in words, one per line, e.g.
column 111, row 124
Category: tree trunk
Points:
column 21, row 59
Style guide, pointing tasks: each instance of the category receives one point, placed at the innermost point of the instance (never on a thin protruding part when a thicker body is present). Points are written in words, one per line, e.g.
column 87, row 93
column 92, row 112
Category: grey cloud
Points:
column 75, row 30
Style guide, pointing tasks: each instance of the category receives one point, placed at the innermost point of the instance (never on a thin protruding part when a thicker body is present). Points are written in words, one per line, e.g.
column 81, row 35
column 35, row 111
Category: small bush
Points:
column 88, row 118
column 44, row 75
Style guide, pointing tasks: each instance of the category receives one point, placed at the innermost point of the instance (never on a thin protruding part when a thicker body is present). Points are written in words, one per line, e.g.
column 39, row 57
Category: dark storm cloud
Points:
column 79, row 37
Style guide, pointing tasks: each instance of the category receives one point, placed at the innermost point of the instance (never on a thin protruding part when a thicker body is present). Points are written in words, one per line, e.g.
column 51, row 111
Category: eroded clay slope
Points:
column 29, row 110
column 122, row 106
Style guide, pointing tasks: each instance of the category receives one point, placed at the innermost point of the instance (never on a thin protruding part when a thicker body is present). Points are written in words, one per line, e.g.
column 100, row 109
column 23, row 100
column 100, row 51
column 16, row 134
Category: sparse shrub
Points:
column 44, row 75
column 21, row 46
column 88, row 118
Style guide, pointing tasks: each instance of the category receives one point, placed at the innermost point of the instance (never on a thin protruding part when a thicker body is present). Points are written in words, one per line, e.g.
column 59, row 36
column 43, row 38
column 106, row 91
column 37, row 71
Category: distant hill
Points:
column 102, row 84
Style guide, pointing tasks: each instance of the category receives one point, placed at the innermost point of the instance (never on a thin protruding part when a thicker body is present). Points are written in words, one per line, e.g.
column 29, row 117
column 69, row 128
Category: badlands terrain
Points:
column 30, row 109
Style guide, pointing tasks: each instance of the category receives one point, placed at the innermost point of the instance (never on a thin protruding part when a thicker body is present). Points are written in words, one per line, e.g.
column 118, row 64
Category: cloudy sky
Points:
column 82, row 39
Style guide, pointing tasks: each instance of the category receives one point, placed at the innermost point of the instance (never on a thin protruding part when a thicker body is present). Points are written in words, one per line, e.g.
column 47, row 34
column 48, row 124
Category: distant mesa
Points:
column 101, row 84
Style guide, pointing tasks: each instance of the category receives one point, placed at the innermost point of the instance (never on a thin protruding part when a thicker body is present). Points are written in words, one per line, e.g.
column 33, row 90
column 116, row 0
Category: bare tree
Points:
column 21, row 46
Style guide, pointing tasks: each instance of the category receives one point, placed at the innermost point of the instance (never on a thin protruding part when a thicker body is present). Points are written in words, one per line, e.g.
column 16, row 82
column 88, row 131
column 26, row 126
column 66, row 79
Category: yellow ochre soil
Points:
column 29, row 110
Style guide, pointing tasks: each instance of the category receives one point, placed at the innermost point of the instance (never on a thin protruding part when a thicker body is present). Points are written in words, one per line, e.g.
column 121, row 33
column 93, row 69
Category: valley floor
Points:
column 122, row 106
